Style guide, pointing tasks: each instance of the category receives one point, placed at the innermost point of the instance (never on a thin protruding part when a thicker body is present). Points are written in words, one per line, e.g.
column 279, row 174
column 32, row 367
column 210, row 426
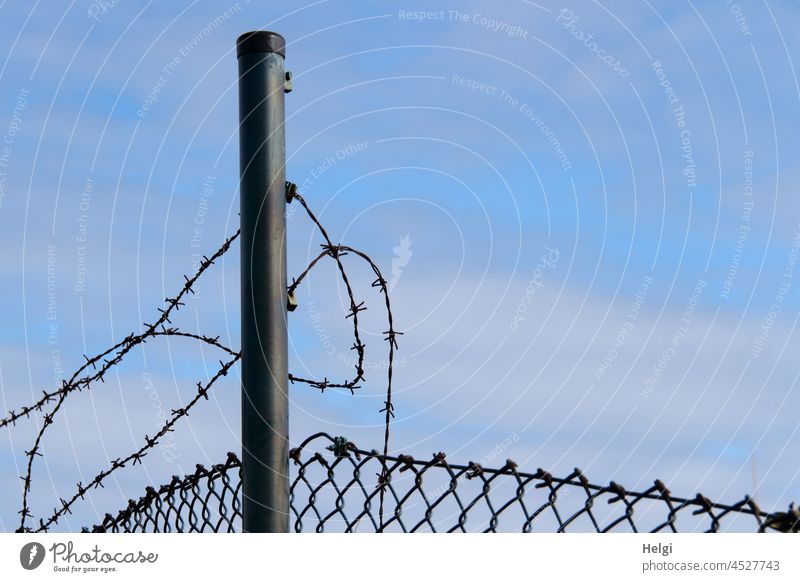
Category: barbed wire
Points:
column 336, row 252
column 184, row 504
column 141, row 452
column 102, row 362
column 77, row 383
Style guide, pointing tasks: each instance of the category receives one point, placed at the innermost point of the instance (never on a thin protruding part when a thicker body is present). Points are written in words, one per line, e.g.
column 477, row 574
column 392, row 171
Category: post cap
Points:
column 260, row 41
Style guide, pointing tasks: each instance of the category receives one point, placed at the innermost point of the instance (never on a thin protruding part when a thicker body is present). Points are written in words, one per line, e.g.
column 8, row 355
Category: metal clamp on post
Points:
column 291, row 190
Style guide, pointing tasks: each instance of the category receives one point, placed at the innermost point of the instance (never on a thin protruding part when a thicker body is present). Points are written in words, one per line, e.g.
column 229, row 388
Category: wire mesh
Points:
column 208, row 500
column 336, row 486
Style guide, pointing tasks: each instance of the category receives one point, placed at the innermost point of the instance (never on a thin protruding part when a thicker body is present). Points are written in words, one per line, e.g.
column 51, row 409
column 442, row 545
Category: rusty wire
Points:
column 328, row 494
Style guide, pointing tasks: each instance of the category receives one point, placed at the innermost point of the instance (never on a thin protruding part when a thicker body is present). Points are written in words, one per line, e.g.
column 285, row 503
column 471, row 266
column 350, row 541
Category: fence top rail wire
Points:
column 338, row 483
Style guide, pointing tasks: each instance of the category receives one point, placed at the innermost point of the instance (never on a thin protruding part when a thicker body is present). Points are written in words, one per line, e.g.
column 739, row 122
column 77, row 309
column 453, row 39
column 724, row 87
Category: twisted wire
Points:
column 328, row 493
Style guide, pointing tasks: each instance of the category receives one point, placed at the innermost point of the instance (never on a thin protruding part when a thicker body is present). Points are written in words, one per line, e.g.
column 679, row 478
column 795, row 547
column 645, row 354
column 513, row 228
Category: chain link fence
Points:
column 335, row 488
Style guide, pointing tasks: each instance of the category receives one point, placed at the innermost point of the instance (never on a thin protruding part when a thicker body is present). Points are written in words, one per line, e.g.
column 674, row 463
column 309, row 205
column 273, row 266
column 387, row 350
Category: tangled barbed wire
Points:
column 96, row 367
column 336, row 252
column 328, row 494
column 328, row 491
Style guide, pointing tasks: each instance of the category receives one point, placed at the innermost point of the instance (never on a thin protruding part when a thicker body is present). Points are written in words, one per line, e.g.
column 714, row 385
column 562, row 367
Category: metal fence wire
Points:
column 335, row 488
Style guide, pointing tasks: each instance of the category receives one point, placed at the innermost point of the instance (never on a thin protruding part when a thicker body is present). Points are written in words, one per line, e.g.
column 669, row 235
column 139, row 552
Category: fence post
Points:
column 265, row 404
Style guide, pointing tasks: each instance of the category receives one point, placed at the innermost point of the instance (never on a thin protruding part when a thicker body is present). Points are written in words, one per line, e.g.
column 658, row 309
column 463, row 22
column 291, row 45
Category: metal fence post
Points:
column 265, row 404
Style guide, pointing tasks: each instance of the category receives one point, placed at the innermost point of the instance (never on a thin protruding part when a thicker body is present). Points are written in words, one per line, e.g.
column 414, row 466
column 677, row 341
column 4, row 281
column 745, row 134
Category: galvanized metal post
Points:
column 265, row 404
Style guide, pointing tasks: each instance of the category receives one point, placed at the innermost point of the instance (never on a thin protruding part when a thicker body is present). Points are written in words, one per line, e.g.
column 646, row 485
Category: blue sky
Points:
column 600, row 202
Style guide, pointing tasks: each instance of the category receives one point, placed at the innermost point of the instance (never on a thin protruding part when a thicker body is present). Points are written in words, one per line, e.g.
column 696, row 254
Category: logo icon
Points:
column 31, row 555
column 402, row 255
